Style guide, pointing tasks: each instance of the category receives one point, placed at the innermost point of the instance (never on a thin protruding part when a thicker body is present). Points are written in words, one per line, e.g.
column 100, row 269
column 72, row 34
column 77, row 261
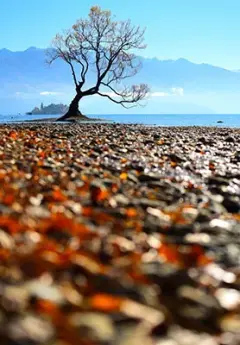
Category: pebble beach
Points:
column 119, row 235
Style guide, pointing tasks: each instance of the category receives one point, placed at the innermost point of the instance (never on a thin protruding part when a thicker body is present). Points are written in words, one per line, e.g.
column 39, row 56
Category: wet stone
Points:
column 232, row 204
column 230, row 139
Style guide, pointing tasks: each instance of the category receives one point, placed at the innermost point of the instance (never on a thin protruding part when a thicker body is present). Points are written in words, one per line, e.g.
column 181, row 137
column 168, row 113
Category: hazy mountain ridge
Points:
column 27, row 80
column 30, row 67
column 188, row 75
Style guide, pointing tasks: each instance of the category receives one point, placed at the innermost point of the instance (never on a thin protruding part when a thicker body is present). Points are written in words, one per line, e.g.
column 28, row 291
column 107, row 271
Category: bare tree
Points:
column 106, row 47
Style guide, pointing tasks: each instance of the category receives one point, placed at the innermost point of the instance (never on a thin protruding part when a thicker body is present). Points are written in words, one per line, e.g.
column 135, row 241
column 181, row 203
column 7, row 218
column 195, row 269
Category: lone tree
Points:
column 105, row 48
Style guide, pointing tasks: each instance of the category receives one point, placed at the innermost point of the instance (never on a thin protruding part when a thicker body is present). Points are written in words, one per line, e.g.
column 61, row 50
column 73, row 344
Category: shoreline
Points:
column 70, row 120
column 125, row 226
column 112, row 122
column 52, row 121
column 230, row 121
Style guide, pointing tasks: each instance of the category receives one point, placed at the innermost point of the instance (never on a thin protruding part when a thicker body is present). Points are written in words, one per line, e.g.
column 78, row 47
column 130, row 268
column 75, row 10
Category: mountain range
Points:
column 176, row 85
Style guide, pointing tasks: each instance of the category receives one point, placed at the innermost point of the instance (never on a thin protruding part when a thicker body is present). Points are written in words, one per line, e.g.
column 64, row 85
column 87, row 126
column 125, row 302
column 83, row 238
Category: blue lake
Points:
column 148, row 119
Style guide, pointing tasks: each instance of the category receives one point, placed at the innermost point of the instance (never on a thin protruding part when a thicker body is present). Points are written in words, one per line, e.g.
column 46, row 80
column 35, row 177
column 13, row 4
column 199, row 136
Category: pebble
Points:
column 93, row 326
column 119, row 235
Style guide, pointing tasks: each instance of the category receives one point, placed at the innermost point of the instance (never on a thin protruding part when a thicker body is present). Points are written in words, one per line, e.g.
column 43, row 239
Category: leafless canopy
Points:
column 106, row 46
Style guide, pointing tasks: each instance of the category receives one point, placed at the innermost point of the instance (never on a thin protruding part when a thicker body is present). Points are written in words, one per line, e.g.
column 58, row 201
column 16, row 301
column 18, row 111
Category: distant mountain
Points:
column 190, row 76
column 29, row 69
column 26, row 77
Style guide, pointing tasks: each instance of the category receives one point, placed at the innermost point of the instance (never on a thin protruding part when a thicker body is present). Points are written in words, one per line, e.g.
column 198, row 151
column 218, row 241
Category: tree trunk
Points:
column 73, row 111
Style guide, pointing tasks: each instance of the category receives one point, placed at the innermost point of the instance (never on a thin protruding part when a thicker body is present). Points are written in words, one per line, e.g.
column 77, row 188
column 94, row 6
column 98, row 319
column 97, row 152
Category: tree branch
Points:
column 122, row 103
column 107, row 47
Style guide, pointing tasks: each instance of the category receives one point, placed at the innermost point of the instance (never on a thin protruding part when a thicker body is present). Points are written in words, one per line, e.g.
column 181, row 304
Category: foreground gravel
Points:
column 119, row 235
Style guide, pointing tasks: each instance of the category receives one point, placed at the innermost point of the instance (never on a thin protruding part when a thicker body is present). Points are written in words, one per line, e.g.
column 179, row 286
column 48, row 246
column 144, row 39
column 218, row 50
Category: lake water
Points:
column 148, row 119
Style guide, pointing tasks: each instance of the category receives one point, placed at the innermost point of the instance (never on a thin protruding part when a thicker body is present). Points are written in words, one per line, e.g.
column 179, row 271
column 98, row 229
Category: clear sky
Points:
column 199, row 30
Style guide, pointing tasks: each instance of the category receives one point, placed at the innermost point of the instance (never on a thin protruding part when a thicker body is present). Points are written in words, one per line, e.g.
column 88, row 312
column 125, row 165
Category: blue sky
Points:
column 199, row 30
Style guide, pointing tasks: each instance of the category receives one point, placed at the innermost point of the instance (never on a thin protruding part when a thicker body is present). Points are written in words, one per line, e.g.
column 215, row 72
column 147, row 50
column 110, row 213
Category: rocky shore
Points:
column 119, row 235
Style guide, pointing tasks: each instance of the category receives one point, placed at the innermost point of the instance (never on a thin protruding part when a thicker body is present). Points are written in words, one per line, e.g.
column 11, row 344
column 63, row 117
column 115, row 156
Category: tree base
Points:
column 72, row 116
